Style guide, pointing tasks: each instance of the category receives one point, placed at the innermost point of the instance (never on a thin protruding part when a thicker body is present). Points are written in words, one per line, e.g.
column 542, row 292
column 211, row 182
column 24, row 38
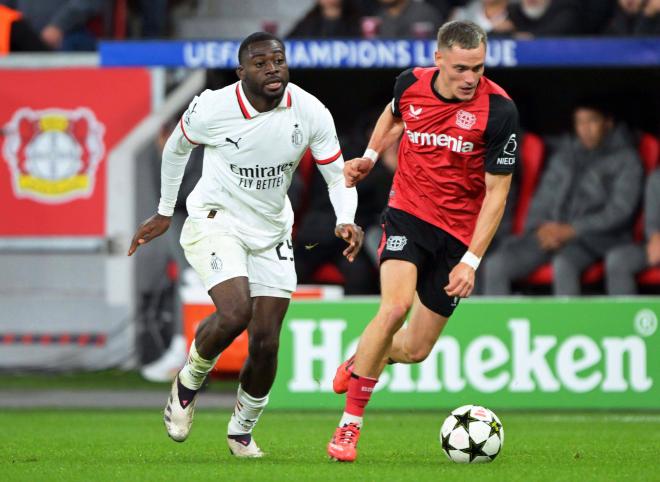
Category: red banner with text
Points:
column 58, row 126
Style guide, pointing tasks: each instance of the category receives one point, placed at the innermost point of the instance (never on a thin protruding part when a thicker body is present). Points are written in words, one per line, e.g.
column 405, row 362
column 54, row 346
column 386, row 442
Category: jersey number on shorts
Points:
column 278, row 250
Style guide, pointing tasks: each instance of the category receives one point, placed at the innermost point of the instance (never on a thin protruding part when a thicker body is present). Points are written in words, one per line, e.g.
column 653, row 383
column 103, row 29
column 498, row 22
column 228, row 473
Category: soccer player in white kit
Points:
column 238, row 233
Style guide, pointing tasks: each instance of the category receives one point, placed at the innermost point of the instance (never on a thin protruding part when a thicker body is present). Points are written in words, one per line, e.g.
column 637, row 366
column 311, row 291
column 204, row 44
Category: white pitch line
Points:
column 636, row 418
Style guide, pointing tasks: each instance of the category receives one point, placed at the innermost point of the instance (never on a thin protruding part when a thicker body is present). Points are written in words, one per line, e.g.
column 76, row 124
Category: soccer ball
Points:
column 471, row 434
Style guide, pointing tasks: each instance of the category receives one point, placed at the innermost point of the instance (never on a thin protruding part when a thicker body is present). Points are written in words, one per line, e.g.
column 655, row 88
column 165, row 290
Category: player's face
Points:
column 264, row 69
column 591, row 127
column 460, row 71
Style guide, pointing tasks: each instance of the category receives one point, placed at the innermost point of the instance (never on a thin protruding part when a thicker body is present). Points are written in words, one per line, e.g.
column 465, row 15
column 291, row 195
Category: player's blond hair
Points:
column 465, row 34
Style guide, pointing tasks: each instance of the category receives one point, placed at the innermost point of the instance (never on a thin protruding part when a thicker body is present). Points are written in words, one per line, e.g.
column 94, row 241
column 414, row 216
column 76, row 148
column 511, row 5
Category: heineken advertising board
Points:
column 533, row 353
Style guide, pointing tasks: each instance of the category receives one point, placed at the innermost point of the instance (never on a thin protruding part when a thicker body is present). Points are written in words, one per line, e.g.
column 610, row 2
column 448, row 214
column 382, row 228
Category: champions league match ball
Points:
column 471, row 434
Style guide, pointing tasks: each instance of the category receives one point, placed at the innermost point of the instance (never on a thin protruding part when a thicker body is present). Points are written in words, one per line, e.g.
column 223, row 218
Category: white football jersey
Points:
column 250, row 157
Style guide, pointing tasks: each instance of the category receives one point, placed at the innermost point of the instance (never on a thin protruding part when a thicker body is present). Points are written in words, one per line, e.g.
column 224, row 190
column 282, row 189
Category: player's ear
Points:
column 240, row 72
column 438, row 57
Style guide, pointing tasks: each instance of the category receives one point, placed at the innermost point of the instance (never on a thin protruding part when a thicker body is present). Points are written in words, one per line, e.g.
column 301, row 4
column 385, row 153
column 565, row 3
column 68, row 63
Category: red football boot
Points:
column 342, row 376
column 343, row 446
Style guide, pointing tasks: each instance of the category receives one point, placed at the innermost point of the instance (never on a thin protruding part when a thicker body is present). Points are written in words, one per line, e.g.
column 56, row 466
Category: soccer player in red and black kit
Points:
column 457, row 152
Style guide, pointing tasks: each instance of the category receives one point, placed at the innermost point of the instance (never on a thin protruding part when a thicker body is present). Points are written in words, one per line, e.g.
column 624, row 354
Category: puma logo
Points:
column 233, row 142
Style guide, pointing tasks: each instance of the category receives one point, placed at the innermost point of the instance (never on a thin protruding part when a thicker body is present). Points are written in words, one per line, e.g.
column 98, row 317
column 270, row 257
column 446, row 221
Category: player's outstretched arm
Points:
column 388, row 130
column 149, row 229
column 461, row 278
column 354, row 236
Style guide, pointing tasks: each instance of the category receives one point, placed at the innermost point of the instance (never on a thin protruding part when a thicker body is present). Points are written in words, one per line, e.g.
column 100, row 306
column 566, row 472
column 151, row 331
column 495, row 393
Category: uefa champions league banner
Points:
column 58, row 127
column 533, row 353
column 400, row 54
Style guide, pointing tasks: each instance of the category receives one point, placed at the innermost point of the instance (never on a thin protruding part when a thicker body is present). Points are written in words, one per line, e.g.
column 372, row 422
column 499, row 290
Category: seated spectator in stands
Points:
column 635, row 17
column 624, row 262
column 329, row 19
column 544, row 18
column 408, row 19
column 61, row 24
column 491, row 15
column 584, row 205
column 314, row 247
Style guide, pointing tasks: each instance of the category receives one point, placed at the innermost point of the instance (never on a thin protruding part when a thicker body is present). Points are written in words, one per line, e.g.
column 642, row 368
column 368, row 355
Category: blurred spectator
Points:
column 595, row 15
column 368, row 7
column 445, row 7
column 544, row 18
column 636, row 17
column 61, row 24
column 624, row 262
column 491, row 15
column 315, row 246
column 16, row 35
column 329, row 18
column 408, row 19
column 584, row 206
column 153, row 16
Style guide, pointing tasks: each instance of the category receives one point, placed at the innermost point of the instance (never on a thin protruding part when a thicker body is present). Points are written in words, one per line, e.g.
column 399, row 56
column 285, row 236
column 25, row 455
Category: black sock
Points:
column 243, row 439
column 186, row 395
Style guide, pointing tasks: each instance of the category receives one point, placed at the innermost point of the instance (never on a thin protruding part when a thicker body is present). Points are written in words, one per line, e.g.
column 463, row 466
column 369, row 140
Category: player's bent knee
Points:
column 264, row 346
column 417, row 353
column 391, row 316
column 233, row 319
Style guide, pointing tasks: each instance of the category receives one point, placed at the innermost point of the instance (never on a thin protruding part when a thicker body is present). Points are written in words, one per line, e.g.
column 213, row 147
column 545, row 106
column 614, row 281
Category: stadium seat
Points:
column 649, row 151
column 532, row 153
column 328, row 274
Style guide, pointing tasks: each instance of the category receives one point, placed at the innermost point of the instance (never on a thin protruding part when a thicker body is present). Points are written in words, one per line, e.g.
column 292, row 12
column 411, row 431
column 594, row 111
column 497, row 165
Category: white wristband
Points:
column 471, row 259
column 371, row 154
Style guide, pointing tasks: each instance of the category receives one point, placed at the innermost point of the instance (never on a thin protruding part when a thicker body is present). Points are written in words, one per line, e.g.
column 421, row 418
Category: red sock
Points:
column 359, row 393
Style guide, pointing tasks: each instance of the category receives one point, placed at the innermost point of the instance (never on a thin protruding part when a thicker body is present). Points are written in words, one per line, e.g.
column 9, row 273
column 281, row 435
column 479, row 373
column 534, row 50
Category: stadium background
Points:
column 78, row 319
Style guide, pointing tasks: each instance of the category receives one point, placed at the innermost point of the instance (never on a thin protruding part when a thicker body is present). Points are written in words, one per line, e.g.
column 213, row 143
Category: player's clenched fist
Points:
column 357, row 169
column 461, row 281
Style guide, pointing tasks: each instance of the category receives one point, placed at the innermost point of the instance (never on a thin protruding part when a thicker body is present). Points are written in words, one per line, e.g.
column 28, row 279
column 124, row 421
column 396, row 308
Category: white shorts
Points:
column 218, row 255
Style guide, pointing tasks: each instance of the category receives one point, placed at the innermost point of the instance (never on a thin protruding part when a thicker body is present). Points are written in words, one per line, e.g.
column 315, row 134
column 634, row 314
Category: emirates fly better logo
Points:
column 53, row 154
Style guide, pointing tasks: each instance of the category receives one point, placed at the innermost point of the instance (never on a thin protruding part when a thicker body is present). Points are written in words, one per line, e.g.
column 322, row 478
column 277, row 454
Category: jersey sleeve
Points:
column 323, row 141
column 403, row 81
column 501, row 136
column 193, row 121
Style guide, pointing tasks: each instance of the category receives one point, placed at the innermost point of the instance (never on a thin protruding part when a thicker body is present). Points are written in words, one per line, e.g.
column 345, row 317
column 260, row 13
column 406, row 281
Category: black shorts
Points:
column 434, row 251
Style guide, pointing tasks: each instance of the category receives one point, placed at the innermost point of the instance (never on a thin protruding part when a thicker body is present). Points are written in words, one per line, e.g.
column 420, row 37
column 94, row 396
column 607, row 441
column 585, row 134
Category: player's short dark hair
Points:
column 253, row 38
column 467, row 35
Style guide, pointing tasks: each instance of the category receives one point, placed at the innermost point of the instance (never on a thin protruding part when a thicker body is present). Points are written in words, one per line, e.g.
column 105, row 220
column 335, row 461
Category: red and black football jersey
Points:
column 446, row 148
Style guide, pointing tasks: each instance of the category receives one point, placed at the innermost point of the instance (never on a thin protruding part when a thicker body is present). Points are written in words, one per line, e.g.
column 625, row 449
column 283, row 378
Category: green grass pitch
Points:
column 126, row 445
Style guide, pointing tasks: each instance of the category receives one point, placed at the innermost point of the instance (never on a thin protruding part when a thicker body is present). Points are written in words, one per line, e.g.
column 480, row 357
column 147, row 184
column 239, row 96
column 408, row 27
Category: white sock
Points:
column 347, row 418
column 194, row 372
column 246, row 413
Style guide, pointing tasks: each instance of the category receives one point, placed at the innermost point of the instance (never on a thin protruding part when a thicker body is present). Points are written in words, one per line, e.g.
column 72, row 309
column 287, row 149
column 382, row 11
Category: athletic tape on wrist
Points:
column 371, row 154
column 471, row 260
